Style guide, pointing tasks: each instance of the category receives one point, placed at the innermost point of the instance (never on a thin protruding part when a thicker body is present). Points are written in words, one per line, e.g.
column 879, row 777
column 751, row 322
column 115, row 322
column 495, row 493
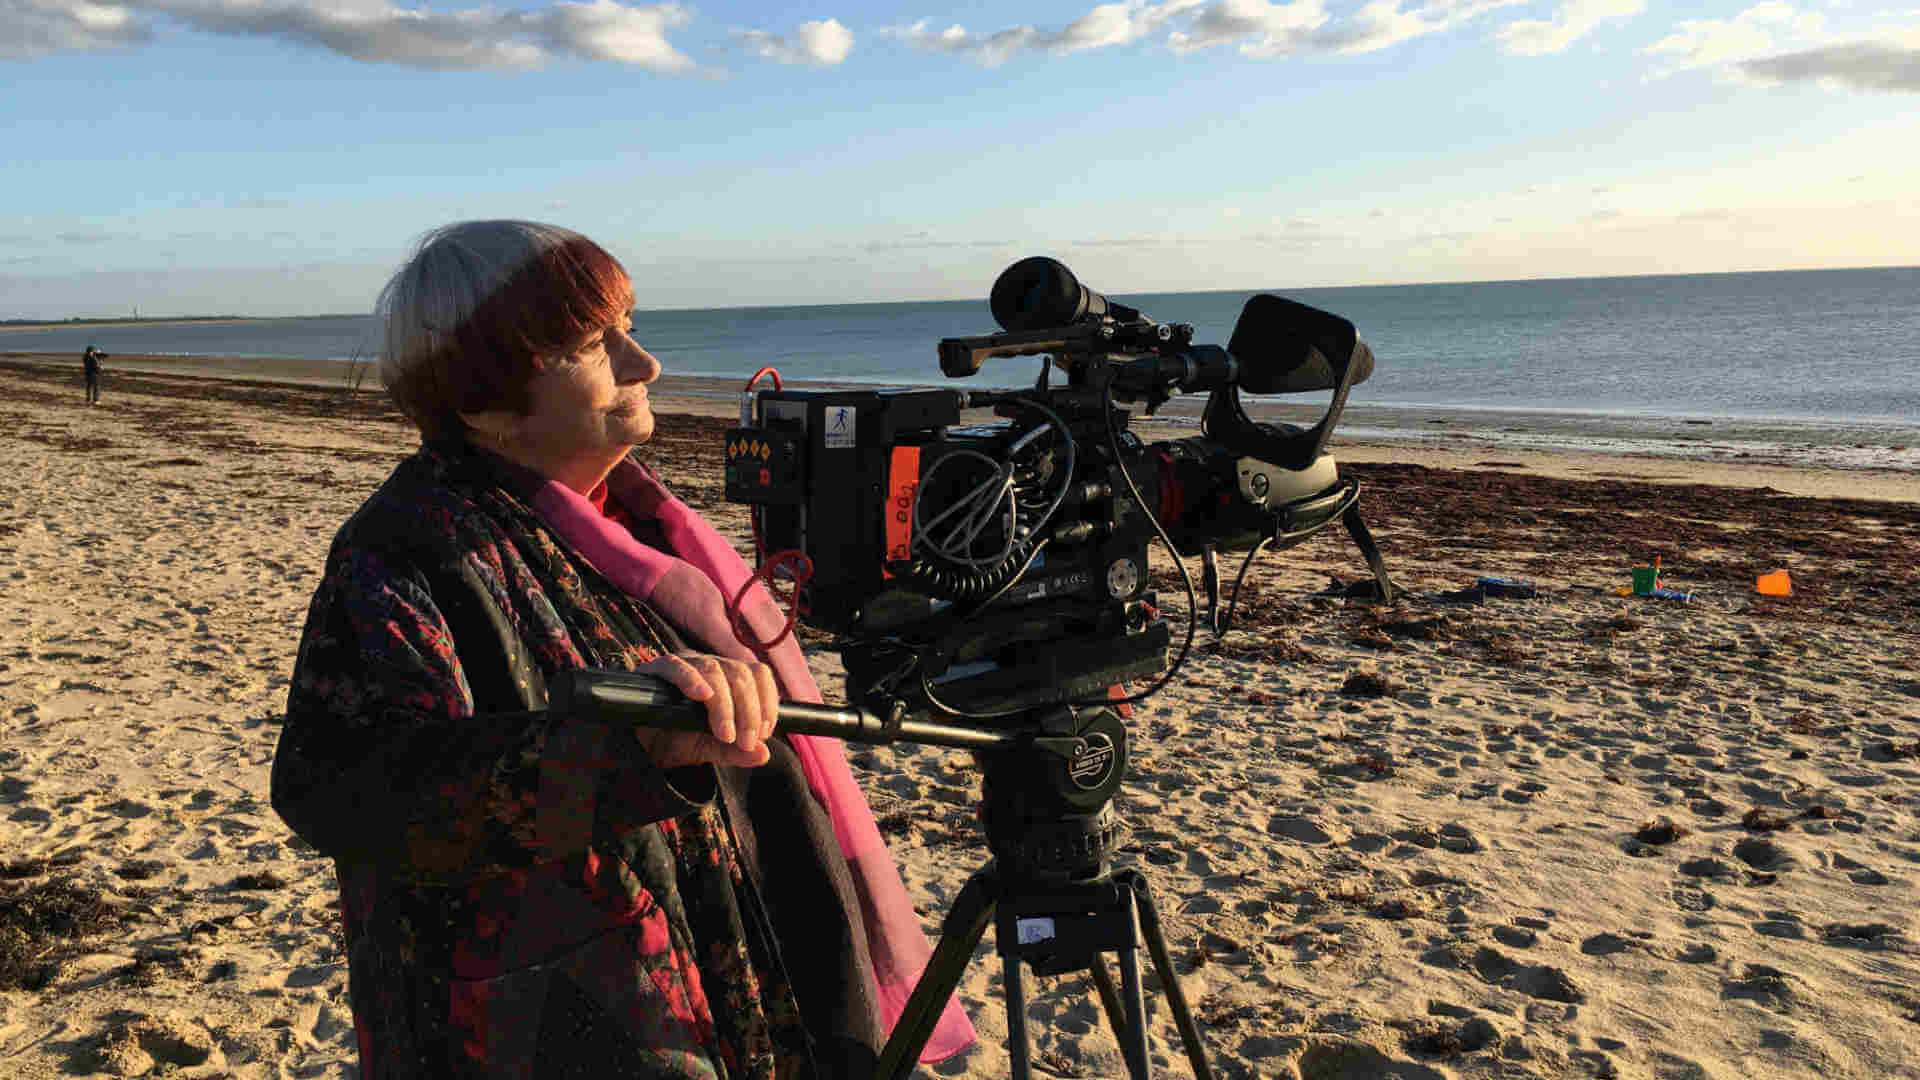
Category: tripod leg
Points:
column 1136, row 882
column 1129, row 1021
column 1133, row 1044
column 1363, row 539
column 1018, row 1052
column 1109, row 997
column 960, row 934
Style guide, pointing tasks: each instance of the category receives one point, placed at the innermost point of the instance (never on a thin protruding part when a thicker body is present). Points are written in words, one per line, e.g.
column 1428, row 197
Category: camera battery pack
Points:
column 764, row 467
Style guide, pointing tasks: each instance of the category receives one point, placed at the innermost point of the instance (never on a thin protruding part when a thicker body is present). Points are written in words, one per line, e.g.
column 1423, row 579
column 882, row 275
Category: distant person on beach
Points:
column 537, row 895
column 90, row 367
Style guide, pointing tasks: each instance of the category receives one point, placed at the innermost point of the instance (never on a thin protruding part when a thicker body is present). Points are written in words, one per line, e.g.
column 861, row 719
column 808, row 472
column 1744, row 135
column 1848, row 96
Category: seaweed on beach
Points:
column 40, row 925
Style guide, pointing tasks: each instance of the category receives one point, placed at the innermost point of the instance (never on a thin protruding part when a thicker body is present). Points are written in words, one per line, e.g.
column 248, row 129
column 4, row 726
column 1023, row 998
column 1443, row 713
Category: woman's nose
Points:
column 631, row 363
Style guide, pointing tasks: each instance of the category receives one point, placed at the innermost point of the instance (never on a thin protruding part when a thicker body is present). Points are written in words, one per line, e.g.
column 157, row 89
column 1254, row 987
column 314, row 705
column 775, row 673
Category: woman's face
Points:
column 585, row 410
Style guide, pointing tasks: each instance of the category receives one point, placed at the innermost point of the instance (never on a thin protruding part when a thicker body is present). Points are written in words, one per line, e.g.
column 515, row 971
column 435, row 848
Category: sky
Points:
column 282, row 157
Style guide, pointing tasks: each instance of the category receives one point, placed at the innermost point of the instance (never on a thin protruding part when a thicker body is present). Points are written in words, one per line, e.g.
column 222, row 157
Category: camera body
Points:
column 839, row 476
column 842, row 473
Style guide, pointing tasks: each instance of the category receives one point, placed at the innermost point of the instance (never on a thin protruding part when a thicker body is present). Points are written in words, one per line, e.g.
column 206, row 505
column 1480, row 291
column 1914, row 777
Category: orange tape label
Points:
column 903, row 481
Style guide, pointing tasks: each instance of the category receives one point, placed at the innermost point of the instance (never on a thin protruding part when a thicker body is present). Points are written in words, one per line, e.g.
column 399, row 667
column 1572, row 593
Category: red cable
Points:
column 799, row 570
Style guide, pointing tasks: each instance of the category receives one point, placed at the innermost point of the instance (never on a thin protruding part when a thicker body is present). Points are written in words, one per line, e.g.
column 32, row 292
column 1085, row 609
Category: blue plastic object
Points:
column 1670, row 594
column 1508, row 587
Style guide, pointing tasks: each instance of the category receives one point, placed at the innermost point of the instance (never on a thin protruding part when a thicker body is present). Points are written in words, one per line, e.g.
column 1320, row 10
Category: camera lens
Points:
column 1037, row 293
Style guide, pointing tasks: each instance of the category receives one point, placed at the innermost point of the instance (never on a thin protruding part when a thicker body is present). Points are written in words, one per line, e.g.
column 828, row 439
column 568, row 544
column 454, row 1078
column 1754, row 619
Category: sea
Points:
column 1819, row 362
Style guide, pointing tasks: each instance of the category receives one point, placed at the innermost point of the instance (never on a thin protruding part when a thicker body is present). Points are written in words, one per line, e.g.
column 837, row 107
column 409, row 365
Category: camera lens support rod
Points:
column 653, row 702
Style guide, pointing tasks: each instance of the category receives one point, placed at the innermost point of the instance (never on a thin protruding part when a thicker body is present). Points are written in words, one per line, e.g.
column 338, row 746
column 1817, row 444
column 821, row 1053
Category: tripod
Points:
column 1055, row 903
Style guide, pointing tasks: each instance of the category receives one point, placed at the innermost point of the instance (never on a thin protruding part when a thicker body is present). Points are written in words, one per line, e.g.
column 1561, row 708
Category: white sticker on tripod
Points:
column 841, row 422
column 1033, row 931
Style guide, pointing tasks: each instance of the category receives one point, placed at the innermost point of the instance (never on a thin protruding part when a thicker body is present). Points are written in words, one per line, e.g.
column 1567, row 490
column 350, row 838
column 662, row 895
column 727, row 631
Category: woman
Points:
column 538, row 895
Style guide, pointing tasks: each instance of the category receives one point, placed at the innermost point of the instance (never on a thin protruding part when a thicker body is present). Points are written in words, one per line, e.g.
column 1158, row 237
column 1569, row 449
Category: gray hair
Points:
column 479, row 304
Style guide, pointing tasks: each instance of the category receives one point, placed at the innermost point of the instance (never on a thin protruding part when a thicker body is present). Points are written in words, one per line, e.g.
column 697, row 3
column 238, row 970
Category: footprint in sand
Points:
column 1524, row 793
column 1859, row 873
column 1518, row 937
column 1534, row 980
column 1605, row 944
column 1875, row 936
column 1691, row 898
column 1768, row 986
column 138, row 1045
column 1298, row 828
column 1781, row 924
column 1765, row 854
column 1709, row 867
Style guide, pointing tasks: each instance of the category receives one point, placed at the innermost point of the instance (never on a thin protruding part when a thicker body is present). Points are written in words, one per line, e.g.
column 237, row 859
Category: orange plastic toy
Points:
column 1776, row 583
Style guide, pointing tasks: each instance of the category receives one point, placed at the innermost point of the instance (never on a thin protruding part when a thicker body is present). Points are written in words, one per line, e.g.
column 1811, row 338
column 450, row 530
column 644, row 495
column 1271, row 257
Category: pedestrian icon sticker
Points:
column 842, row 422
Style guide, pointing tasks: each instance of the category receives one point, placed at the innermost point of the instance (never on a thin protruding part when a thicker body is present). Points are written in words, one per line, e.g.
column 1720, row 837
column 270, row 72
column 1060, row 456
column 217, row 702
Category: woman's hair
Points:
column 481, row 306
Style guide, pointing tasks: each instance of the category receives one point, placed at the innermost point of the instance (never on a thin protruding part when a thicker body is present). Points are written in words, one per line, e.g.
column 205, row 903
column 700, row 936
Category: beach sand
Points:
column 1575, row 835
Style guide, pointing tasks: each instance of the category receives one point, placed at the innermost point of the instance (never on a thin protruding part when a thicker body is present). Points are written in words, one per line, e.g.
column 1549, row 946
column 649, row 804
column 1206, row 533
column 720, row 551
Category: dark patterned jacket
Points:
column 526, row 895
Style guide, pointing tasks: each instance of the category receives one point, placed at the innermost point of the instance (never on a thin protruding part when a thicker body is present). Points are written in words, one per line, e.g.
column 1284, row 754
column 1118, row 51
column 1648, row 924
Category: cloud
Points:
column 991, row 50
column 1106, row 25
column 1749, row 35
column 1753, row 48
column 925, row 243
column 30, row 28
column 1381, row 24
column 1859, row 65
column 1258, row 29
column 821, row 44
column 1144, row 240
column 1297, row 236
column 371, row 31
column 1119, row 24
column 1575, row 20
column 1262, row 29
column 605, row 30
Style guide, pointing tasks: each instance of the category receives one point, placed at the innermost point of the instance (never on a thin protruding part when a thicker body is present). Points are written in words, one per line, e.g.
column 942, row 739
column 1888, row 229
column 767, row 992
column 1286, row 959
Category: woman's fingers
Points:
column 745, row 704
column 742, row 701
column 769, row 700
column 756, row 702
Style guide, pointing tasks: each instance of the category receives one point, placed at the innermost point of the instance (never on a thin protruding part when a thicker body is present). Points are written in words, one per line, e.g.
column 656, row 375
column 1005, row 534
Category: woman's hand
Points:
column 742, row 703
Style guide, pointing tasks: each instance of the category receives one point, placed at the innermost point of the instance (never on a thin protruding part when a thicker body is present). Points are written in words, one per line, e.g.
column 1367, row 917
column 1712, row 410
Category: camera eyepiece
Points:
column 1037, row 293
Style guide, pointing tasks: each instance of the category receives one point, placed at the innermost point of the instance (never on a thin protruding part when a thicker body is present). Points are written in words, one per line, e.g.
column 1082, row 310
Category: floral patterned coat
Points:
column 523, row 894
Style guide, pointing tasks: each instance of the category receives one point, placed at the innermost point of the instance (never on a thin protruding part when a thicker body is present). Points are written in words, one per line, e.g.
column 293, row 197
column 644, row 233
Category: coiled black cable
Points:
column 945, row 573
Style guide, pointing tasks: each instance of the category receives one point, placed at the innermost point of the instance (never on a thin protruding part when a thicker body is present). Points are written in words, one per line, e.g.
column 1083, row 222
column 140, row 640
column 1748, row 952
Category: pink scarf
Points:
column 692, row 591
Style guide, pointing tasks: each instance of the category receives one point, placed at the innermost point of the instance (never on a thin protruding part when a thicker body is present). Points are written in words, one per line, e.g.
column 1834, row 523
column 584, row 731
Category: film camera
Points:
column 981, row 558
column 979, row 569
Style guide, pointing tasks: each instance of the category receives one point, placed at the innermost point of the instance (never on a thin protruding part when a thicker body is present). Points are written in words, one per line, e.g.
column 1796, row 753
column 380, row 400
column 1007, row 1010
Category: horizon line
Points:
column 111, row 320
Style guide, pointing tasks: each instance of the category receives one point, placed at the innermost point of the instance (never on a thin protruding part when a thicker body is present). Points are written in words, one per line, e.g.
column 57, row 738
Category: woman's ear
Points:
column 494, row 425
